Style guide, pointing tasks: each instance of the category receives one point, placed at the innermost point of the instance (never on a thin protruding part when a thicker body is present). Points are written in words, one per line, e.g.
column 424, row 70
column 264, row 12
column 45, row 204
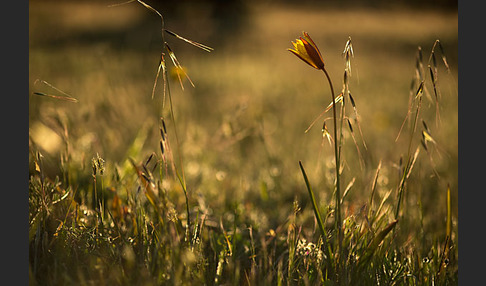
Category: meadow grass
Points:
column 220, row 183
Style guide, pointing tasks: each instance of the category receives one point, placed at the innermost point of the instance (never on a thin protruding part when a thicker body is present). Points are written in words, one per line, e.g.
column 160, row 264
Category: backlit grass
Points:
column 213, row 193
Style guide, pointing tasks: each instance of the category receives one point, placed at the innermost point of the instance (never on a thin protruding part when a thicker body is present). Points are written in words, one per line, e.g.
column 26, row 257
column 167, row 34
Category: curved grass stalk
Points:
column 180, row 177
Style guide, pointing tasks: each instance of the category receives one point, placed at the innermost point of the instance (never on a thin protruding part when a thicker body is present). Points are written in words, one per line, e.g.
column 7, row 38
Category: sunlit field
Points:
column 138, row 177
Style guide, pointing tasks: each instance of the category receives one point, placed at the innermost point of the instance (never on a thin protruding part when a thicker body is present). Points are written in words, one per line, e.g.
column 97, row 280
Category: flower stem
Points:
column 337, row 164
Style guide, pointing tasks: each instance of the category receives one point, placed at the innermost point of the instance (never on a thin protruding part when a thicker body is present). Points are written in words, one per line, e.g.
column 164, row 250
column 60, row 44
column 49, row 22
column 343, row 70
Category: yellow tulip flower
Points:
column 307, row 50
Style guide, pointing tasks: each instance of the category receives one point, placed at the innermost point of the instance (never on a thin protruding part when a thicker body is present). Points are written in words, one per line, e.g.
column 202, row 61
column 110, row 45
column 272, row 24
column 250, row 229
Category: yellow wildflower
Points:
column 307, row 50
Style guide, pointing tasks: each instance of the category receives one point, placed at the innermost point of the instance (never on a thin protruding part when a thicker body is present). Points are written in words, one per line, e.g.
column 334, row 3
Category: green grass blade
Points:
column 375, row 243
column 314, row 204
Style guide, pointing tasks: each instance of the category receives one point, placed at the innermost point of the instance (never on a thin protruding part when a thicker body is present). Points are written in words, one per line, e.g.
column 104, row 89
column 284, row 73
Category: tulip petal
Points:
column 302, row 58
column 313, row 51
column 307, row 51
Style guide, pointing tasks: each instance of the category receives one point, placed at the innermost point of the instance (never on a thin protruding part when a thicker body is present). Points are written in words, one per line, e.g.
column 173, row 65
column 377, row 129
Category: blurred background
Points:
column 241, row 128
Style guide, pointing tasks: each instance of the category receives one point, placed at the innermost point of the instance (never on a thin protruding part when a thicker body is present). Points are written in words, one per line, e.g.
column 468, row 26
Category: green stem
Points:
column 337, row 164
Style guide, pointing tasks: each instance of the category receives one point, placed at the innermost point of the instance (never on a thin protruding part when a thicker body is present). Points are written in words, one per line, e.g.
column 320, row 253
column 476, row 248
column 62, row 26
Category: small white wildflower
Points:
column 309, row 250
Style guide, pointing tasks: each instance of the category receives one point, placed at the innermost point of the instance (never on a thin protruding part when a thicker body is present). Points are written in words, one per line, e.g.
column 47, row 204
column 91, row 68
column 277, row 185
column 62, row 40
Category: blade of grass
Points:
column 449, row 212
column 445, row 252
column 348, row 187
column 373, row 189
column 313, row 200
column 373, row 246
